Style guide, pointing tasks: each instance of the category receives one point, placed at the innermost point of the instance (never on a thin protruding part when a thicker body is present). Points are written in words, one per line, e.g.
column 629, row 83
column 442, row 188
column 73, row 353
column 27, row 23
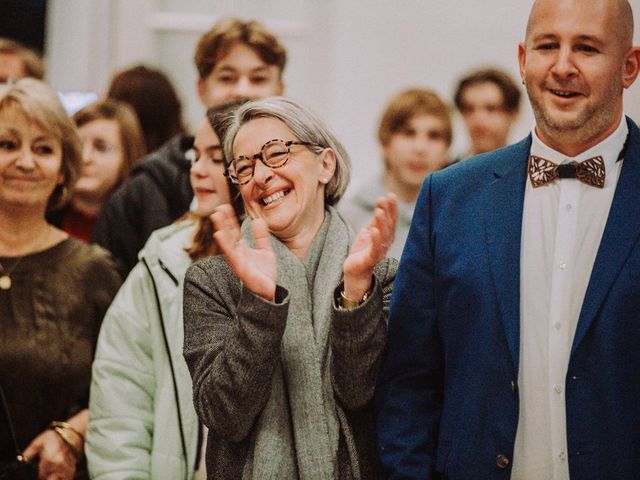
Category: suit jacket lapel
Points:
column 621, row 234
column 502, row 209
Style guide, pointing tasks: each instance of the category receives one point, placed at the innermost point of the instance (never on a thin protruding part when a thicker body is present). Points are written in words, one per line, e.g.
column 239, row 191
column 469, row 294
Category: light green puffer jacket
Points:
column 134, row 431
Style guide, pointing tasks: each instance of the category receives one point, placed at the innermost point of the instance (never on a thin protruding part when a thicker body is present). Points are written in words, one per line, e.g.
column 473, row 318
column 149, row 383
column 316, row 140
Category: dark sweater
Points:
column 50, row 319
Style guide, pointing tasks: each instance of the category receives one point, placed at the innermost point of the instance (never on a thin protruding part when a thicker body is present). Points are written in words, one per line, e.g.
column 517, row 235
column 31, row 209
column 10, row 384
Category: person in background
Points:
column 54, row 289
column 139, row 373
column 285, row 332
column 235, row 60
column 18, row 61
column 112, row 142
column 414, row 134
column 155, row 101
column 514, row 326
column 489, row 101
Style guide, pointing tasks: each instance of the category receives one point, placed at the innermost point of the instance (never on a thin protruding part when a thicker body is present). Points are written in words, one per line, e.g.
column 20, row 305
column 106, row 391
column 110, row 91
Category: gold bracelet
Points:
column 63, row 430
column 348, row 303
column 67, row 426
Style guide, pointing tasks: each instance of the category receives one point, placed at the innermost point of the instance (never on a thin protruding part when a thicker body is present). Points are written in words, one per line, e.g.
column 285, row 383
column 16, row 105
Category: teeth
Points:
column 564, row 94
column 272, row 198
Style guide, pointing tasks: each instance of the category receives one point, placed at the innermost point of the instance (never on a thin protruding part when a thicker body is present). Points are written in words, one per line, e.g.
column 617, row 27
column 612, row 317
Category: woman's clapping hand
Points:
column 255, row 267
column 370, row 247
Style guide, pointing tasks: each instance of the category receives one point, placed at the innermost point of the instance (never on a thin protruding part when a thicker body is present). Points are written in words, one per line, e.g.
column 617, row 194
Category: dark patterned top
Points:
column 49, row 323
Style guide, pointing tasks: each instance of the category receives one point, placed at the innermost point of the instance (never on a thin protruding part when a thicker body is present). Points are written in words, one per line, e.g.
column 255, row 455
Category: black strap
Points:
column 200, row 441
column 7, row 415
column 173, row 373
column 14, row 439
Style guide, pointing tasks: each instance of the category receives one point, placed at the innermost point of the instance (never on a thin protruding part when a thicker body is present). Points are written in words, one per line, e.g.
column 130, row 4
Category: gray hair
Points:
column 304, row 125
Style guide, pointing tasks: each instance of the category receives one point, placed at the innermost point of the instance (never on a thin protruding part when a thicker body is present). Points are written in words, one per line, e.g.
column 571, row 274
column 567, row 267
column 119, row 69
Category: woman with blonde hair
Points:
column 54, row 290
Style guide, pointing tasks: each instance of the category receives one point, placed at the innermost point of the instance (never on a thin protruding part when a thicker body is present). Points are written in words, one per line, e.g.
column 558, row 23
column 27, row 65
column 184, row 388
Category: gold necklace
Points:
column 5, row 275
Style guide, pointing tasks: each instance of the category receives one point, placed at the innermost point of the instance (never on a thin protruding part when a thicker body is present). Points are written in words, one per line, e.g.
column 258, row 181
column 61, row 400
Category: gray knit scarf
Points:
column 297, row 433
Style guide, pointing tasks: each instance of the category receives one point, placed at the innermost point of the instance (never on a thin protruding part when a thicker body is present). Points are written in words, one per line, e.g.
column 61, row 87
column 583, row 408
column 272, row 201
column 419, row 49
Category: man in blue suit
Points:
column 514, row 334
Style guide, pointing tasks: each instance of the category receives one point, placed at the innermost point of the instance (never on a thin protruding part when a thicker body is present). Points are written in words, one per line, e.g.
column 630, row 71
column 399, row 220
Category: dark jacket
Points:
column 157, row 194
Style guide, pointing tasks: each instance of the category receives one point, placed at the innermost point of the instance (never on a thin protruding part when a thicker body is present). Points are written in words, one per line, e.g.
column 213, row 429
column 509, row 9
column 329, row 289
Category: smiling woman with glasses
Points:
column 285, row 333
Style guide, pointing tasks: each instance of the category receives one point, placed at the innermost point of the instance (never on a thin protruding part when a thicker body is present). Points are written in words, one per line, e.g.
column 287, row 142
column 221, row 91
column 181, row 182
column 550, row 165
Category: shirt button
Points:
column 502, row 461
column 557, row 325
column 562, row 266
column 557, row 389
column 562, row 456
column 568, row 207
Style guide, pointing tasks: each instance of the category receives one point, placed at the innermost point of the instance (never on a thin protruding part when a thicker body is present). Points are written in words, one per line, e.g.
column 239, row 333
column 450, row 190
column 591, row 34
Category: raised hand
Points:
column 370, row 247
column 255, row 267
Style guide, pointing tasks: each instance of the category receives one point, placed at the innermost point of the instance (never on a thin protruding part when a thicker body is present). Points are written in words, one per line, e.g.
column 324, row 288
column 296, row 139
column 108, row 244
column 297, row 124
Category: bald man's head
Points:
column 626, row 22
column 576, row 61
column 622, row 11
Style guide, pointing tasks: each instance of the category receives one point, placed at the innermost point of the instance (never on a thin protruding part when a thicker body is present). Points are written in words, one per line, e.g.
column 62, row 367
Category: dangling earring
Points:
column 64, row 195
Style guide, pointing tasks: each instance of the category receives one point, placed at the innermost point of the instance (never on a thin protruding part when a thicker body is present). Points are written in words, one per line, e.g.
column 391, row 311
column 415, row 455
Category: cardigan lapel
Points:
column 502, row 209
column 620, row 237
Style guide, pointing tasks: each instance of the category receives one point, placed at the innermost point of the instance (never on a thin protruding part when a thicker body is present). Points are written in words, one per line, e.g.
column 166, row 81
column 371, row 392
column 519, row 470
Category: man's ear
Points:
column 522, row 54
column 631, row 67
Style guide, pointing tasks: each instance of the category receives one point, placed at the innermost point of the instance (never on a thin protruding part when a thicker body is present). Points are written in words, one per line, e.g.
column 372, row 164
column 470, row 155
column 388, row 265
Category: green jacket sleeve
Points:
column 119, row 437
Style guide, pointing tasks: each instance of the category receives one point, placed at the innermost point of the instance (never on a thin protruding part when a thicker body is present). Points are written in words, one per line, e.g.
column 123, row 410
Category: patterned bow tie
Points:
column 542, row 171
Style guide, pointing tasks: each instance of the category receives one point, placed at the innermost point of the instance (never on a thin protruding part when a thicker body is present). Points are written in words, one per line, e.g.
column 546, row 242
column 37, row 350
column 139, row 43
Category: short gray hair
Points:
column 304, row 125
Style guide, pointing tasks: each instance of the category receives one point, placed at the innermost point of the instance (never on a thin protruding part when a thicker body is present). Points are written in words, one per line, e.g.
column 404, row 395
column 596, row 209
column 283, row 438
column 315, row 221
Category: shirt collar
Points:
column 609, row 149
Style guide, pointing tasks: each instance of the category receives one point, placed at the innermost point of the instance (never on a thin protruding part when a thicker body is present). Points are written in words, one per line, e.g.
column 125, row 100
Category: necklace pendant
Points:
column 5, row 282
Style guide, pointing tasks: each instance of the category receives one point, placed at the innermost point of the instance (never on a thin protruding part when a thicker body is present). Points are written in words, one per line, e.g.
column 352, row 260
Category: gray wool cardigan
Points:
column 230, row 391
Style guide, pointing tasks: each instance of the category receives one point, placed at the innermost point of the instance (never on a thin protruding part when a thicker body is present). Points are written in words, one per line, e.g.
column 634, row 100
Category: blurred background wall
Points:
column 346, row 57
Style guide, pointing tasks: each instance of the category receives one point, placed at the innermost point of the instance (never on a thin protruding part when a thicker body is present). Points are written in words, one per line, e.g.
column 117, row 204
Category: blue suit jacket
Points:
column 448, row 400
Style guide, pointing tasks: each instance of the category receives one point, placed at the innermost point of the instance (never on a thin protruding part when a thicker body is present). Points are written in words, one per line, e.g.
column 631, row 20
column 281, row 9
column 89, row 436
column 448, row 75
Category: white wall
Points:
column 346, row 57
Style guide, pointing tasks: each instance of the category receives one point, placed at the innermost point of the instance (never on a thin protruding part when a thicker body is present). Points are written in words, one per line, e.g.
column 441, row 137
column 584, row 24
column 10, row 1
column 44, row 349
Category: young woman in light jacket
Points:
column 142, row 420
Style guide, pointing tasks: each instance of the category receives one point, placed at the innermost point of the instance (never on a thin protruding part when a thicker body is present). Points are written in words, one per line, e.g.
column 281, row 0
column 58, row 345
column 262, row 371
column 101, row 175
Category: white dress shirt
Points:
column 562, row 225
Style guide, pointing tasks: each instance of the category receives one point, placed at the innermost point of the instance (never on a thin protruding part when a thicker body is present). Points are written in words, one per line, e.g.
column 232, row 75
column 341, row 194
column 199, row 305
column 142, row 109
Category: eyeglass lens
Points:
column 273, row 154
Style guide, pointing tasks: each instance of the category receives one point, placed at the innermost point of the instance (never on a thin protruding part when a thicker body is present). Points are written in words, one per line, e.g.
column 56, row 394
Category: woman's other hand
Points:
column 255, row 267
column 370, row 247
column 57, row 461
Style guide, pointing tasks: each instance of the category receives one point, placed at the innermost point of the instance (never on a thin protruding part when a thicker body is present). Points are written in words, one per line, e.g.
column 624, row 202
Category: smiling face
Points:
column 290, row 198
column 575, row 65
column 415, row 150
column 102, row 159
column 207, row 172
column 30, row 163
column 240, row 74
column 485, row 116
